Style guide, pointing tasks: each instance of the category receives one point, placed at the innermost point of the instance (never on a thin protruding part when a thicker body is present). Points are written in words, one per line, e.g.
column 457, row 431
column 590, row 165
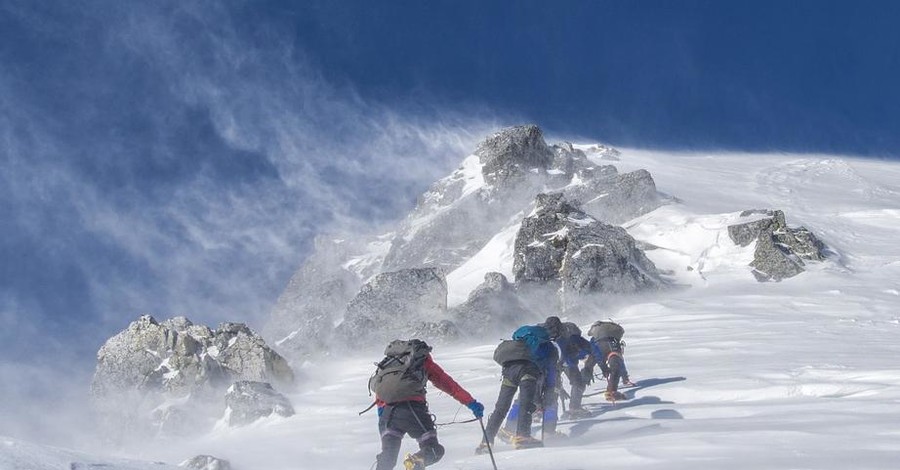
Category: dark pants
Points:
column 521, row 376
column 546, row 399
column 616, row 371
column 413, row 418
column 578, row 386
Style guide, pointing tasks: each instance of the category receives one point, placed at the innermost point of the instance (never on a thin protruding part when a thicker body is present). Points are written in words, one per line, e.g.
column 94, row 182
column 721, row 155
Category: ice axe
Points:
column 488, row 442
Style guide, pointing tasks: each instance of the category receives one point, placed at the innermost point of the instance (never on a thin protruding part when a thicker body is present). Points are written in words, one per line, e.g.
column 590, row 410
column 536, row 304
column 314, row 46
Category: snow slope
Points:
column 732, row 373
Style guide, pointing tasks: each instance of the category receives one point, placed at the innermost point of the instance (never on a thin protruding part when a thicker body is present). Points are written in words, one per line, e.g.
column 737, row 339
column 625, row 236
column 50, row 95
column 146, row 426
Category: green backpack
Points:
column 401, row 374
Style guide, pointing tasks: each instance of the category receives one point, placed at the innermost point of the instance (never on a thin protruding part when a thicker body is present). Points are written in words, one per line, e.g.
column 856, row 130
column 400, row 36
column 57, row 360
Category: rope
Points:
column 457, row 422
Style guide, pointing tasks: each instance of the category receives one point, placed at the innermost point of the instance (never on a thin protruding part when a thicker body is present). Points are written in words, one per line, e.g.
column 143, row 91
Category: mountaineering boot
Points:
column 614, row 396
column 414, row 462
column 505, row 435
column 482, row 448
column 526, row 442
column 627, row 383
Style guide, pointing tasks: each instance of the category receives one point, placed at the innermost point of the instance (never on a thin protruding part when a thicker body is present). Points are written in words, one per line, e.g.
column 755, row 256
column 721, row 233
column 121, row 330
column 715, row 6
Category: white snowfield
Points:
column 732, row 374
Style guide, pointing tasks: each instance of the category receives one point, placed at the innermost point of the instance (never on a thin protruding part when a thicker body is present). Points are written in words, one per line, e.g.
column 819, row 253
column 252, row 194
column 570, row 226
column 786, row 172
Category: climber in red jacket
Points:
column 399, row 386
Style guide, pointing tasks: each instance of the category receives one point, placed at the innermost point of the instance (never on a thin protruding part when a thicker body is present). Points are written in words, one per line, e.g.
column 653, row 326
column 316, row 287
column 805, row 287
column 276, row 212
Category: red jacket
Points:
column 442, row 381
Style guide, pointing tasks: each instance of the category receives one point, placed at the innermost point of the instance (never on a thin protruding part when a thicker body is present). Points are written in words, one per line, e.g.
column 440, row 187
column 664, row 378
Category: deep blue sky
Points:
column 177, row 157
column 797, row 75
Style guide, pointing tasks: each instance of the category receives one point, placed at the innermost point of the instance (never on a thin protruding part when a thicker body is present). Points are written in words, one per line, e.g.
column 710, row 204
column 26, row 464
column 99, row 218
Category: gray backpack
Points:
column 512, row 350
column 606, row 329
column 401, row 374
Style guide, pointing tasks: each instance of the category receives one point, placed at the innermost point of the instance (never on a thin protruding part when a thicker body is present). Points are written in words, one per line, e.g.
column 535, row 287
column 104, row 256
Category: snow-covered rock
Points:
column 167, row 377
column 397, row 304
column 206, row 462
column 246, row 401
column 510, row 155
column 559, row 244
column 780, row 250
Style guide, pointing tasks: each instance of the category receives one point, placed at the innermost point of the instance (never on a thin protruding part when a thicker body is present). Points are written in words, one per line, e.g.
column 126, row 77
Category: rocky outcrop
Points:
column 493, row 307
column 395, row 305
column 167, row 377
column 509, row 156
column 560, row 244
column 452, row 221
column 206, row 462
column 246, row 401
column 612, row 197
column 459, row 214
column 780, row 250
column 179, row 358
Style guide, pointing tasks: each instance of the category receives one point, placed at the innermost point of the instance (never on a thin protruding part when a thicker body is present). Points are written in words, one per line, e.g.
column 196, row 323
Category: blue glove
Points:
column 477, row 408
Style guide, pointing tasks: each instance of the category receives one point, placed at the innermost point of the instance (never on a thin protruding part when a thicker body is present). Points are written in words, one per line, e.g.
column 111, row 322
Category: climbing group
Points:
column 532, row 364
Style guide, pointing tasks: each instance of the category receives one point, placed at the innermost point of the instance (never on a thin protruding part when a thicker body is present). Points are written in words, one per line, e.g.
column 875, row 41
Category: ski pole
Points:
column 488, row 442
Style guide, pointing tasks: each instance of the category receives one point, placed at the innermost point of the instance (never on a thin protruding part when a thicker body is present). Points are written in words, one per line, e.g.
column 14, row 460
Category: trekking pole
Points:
column 488, row 442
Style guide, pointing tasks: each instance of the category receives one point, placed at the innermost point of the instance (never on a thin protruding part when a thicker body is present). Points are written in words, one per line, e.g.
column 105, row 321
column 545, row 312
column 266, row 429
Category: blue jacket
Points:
column 575, row 348
column 549, row 356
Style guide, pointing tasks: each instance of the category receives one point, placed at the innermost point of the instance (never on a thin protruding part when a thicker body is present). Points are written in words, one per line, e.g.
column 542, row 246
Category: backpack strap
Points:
column 369, row 408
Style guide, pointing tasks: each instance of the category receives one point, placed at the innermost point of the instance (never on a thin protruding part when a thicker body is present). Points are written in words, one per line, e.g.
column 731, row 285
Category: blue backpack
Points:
column 534, row 337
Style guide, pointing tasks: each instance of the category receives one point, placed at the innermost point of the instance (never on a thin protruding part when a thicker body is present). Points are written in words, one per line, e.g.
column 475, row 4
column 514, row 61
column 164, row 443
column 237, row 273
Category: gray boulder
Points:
column 559, row 244
column 492, row 308
column 206, row 462
column 780, row 250
column 397, row 304
column 160, row 378
column 247, row 357
column 246, row 401
column 152, row 357
column 612, row 197
column 510, row 155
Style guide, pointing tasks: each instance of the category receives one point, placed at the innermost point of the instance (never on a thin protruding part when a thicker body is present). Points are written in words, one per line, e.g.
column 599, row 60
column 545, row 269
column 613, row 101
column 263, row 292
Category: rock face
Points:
column 493, row 307
column 397, row 304
column 451, row 223
column 167, row 377
column 780, row 250
column 510, row 155
column 246, row 401
column 460, row 213
column 178, row 357
column 206, row 462
column 560, row 244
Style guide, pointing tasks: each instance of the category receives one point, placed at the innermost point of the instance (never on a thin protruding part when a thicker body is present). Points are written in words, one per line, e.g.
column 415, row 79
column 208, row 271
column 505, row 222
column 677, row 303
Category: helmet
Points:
column 553, row 325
